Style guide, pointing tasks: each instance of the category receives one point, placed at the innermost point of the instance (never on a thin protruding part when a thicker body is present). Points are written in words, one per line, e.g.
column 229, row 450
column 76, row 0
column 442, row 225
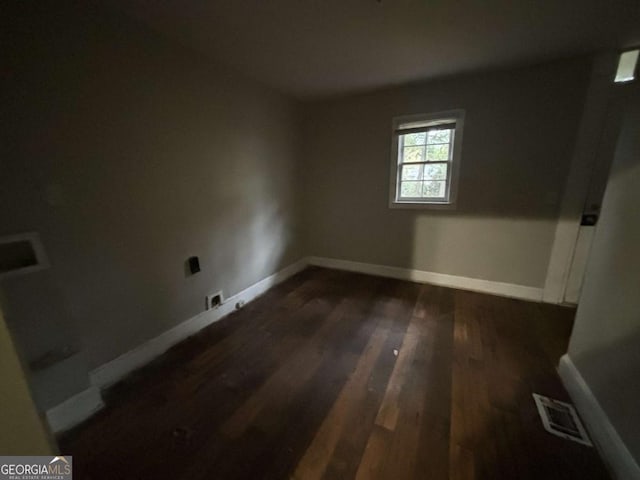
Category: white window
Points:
column 425, row 159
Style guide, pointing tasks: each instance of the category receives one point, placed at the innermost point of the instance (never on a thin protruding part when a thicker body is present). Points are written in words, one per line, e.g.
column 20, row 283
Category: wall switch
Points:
column 194, row 264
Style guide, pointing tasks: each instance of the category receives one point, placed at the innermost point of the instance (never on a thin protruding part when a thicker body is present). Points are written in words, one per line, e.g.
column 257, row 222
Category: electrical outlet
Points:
column 215, row 300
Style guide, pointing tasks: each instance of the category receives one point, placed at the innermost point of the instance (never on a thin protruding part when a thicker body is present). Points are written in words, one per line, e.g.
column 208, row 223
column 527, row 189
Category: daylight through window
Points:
column 426, row 154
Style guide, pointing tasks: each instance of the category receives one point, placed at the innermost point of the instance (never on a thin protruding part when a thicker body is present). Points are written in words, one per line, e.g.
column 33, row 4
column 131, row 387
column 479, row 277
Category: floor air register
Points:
column 561, row 419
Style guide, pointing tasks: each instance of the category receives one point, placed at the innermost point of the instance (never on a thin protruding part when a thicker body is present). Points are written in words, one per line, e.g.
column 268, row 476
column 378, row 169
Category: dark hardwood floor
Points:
column 338, row 375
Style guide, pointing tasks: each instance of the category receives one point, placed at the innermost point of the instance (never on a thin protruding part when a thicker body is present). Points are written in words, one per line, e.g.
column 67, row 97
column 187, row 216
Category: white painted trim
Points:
column 564, row 243
column 74, row 410
column 118, row 368
column 576, row 192
column 603, row 433
column 579, row 264
column 442, row 279
column 456, row 116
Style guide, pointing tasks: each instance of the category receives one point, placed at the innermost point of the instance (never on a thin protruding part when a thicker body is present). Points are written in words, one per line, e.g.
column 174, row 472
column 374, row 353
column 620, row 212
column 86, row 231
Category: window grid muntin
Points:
column 448, row 162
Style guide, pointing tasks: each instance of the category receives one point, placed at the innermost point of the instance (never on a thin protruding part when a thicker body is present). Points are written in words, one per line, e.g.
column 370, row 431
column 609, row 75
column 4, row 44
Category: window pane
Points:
column 412, row 154
column 414, row 139
column 439, row 136
column 411, row 172
column 438, row 152
column 437, row 171
column 410, row 189
column 433, row 189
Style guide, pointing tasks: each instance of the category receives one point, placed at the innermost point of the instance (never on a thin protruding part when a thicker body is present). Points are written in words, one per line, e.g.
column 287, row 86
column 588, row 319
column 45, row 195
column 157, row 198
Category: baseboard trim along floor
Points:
column 602, row 431
column 61, row 417
column 502, row 289
column 81, row 406
column 75, row 410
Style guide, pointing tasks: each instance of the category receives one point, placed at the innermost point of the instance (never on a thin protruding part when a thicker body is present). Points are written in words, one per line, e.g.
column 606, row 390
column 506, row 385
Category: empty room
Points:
column 320, row 239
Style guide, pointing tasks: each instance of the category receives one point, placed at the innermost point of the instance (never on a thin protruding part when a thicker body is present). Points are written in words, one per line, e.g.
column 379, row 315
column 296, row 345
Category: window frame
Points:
column 427, row 121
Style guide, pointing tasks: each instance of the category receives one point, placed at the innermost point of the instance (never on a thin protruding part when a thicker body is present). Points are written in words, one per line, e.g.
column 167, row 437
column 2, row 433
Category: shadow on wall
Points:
column 605, row 342
column 43, row 330
column 128, row 154
column 520, row 132
column 612, row 372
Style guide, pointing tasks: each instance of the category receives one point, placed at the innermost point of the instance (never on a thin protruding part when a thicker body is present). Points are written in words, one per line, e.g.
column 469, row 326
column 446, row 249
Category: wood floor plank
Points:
column 288, row 377
column 434, row 363
column 390, row 409
column 303, row 383
column 275, row 403
column 314, row 462
column 357, row 428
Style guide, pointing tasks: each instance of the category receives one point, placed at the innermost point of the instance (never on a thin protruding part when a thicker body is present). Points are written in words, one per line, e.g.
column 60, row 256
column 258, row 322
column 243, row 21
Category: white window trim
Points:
column 448, row 116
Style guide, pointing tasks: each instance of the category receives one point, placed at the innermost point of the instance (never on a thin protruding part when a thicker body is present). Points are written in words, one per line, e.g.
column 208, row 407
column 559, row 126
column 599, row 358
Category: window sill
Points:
column 422, row 205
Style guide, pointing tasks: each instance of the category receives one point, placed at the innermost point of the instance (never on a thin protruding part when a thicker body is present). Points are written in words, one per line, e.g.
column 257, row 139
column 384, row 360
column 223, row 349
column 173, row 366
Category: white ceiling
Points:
column 311, row 48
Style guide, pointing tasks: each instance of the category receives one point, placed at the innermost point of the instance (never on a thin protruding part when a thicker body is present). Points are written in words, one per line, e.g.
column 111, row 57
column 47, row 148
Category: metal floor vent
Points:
column 561, row 419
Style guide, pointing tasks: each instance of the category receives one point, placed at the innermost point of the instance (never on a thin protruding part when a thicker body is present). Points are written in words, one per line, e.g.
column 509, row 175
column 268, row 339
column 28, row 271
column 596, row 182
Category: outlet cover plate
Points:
column 211, row 300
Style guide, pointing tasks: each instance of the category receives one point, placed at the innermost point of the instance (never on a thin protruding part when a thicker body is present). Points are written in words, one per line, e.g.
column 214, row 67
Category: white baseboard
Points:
column 75, row 409
column 79, row 407
column 440, row 279
column 603, row 433
column 118, row 368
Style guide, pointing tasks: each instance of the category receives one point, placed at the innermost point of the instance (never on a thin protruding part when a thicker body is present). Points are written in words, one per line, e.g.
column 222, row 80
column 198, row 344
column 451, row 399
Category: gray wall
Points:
column 519, row 135
column 605, row 343
column 130, row 153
